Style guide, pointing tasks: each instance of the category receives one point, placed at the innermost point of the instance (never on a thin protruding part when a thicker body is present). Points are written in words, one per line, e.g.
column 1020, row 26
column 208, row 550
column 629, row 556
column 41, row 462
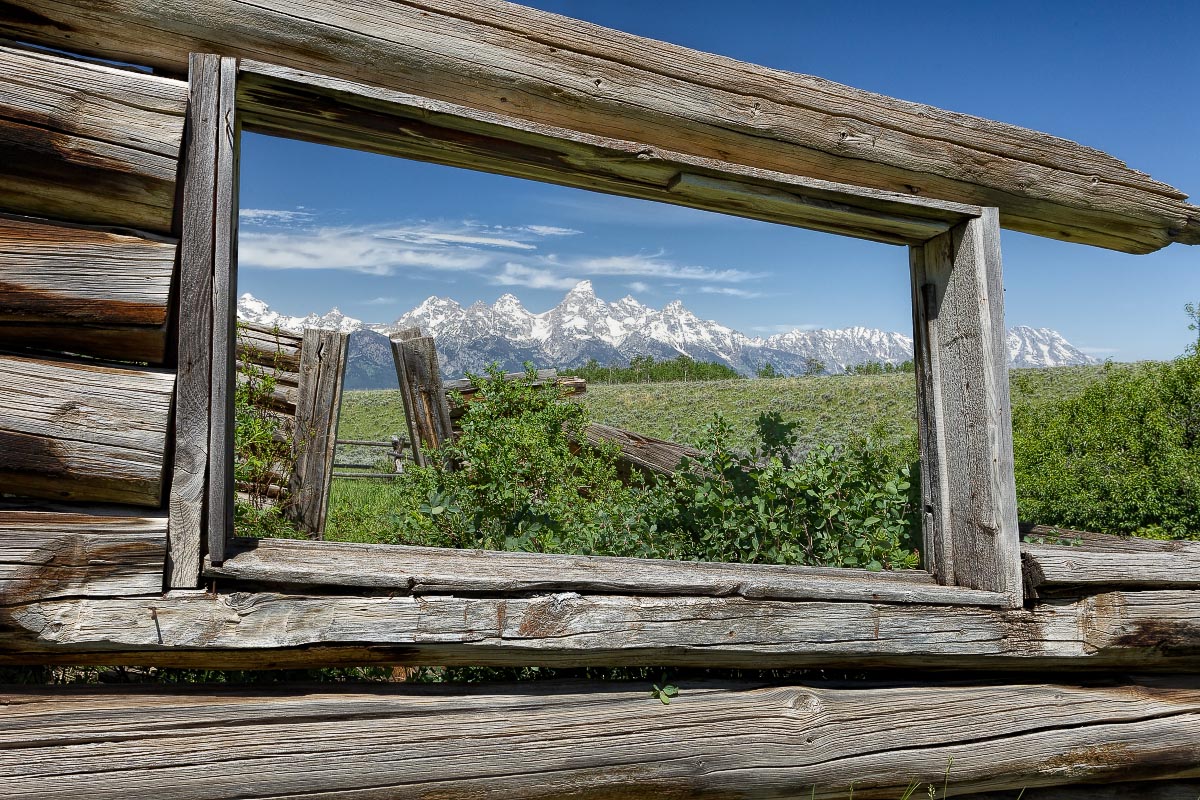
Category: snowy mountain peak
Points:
column 583, row 327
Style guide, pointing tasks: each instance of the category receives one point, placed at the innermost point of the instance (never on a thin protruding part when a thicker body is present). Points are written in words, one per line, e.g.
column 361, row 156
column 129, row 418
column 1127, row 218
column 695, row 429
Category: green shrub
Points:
column 1123, row 456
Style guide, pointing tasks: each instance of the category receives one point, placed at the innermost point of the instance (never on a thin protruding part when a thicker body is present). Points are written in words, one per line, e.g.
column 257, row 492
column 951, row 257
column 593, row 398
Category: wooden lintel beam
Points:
column 552, row 70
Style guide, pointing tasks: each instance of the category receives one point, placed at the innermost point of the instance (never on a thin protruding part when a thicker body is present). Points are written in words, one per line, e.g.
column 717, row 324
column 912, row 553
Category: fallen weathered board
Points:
column 646, row 453
column 1138, row 790
column 89, row 143
column 432, row 570
column 47, row 554
column 83, row 431
column 556, row 71
column 1073, row 561
column 1157, row 630
column 565, row 739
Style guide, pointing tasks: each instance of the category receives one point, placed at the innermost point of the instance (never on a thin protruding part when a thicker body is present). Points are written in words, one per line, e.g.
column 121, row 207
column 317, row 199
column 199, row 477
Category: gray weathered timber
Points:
column 319, row 398
column 645, row 453
column 195, row 324
column 1151, row 630
column 274, row 100
column 569, row 739
column 1108, row 561
column 498, row 57
column 963, row 401
column 88, row 143
column 219, row 504
column 1135, row 790
column 46, row 554
column 425, row 405
column 83, row 431
column 268, row 347
column 134, row 343
column 433, row 570
column 71, row 275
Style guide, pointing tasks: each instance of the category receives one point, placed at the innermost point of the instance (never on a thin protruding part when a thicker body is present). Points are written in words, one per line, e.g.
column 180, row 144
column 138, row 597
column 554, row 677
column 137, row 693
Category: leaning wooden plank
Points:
column 319, row 399
column 969, row 496
column 47, row 554
column 219, row 502
column 433, row 570
column 1156, row 630
column 83, row 431
column 572, row 739
column 88, row 143
column 556, row 71
column 193, row 386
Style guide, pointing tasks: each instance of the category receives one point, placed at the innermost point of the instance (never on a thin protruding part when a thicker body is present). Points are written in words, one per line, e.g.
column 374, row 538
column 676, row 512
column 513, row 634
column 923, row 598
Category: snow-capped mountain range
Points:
column 583, row 327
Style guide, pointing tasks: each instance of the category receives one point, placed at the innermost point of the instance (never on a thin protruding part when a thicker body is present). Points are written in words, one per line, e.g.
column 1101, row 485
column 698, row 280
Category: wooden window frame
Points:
column 971, row 541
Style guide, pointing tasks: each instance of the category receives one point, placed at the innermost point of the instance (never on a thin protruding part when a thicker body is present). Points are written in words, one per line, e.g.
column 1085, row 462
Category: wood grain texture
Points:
column 83, row 431
column 46, row 554
column 969, row 493
column 644, row 453
column 568, row 739
column 219, row 503
column 504, row 58
column 1153, row 630
column 433, row 570
column 281, row 101
column 322, row 374
column 1066, row 564
column 426, row 408
column 88, row 143
column 189, row 483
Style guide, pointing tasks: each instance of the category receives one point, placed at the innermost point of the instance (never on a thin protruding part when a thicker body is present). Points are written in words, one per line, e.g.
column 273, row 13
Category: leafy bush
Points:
column 1123, row 456
column 528, row 481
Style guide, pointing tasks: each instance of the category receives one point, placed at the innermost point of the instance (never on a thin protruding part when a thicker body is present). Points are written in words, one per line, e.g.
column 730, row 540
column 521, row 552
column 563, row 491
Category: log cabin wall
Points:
column 89, row 161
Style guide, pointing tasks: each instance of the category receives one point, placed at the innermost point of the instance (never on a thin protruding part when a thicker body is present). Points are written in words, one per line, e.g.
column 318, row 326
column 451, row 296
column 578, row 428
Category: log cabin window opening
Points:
column 968, row 509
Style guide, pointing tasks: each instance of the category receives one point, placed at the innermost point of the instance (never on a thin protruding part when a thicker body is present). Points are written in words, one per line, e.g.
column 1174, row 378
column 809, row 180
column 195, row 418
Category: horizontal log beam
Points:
column 83, row 431
column 1143, row 630
column 46, row 554
column 558, row 739
column 88, row 143
column 437, row 570
column 1064, row 561
column 551, row 70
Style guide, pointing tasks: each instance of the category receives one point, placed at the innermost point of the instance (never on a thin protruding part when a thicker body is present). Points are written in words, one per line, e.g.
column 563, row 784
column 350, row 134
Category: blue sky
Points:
column 376, row 235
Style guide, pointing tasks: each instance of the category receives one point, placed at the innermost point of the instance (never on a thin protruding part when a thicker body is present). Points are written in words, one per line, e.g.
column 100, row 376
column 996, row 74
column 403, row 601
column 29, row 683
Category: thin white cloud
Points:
column 515, row 274
column 552, row 230
column 430, row 237
column 253, row 216
column 379, row 301
column 655, row 266
column 355, row 250
column 729, row 291
column 639, row 286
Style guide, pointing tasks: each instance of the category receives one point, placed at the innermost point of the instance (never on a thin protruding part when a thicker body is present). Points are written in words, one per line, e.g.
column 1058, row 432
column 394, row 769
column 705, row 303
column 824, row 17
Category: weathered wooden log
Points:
column 426, row 408
column 434, row 570
column 1141, row 790
column 74, row 275
column 567, row 385
column 1156, row 630
column 1071, row 562
column 47, row 554
column 645, row 453
column 135, row 343
column 88, row 143
column 568, row 739
column 556, row 71
column 83, row 431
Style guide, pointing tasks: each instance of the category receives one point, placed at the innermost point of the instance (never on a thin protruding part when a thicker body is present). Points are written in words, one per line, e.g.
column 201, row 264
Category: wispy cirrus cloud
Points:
column 729, row 291
column 515, row 274
column 656, row 266
column 350, row 249
column 272, row 215
column 551, row 230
